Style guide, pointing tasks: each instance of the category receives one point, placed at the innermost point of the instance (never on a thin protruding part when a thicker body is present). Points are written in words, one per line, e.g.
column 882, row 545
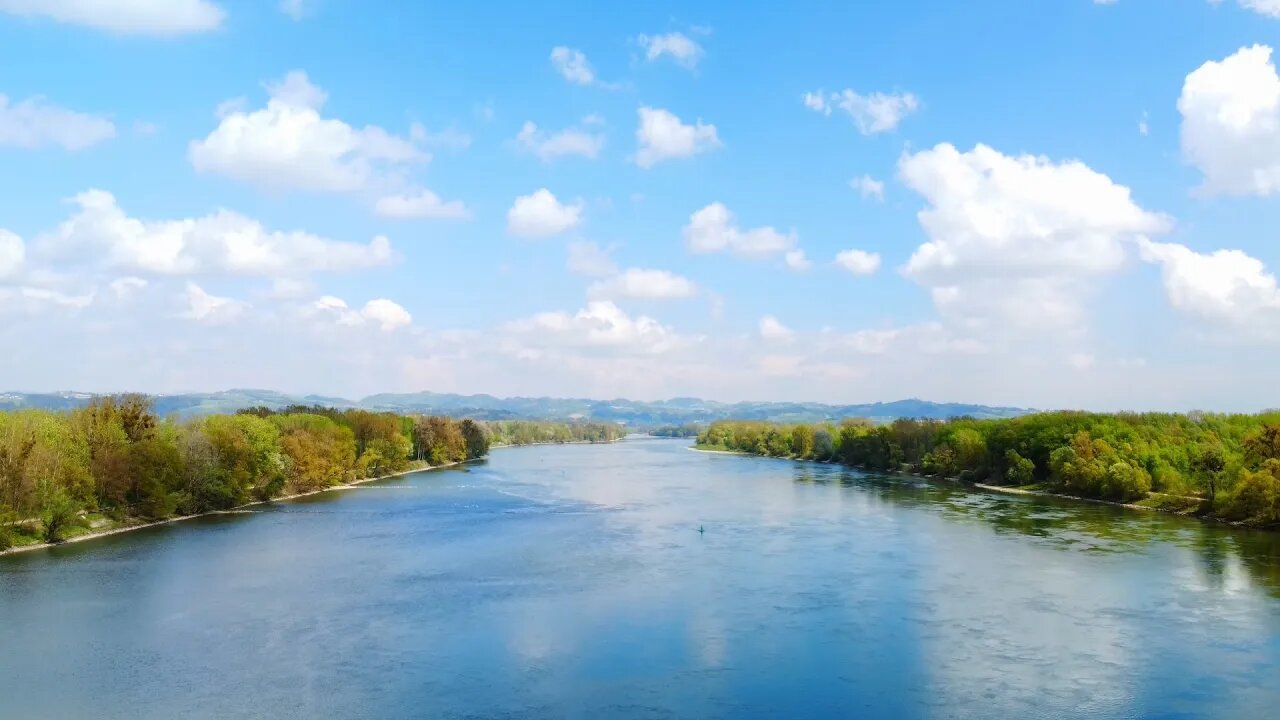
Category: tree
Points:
column 476, row 439
column 58, row 512
column 1020, row 470
column 1208, row 463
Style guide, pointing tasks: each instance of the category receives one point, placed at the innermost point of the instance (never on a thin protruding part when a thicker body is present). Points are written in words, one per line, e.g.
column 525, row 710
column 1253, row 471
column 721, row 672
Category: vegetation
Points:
column 679, row 431
column 527, row 432
column 117, row 462
column 1225, row 466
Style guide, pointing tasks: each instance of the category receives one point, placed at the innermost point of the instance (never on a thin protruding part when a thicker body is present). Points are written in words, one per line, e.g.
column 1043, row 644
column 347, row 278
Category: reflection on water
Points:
column 572, row 582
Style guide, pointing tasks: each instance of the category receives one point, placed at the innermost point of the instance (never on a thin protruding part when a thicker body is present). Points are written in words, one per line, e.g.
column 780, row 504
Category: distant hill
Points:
column 487, row 407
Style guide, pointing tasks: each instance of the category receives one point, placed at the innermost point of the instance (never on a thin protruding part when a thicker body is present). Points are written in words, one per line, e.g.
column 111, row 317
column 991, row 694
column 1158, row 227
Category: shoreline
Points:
column 1008, row 490
column 238, row 509
column 283, row 498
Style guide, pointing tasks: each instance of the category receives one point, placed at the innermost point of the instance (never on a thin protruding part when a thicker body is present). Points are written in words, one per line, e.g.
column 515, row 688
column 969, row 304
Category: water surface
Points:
column 571, row 581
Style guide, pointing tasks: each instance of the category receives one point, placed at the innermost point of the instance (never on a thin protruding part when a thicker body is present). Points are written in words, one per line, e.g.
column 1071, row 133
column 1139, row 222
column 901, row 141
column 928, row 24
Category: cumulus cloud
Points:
column 549, row 146
column 662, row 136
column 1231, row 123
column 872, row 114
column 1226, row 286
column 1013, row 237
column 125, row 286
column 12, row 252
column 589, row 259
column 644, row 284
column 420, row 204
column 676, row 45
column 540, row 214
column 210, row 309
column 288, row 145
column 35, row 123
column 384, row 313
column 225, row 242
column 1270, row 8
column 858, row 262
column 572, row 65
column 868, row 187
column 125, row 17
column 713, row 229
column 601, row 324
column 772, row 329
column 446, row 139
column 796, row 260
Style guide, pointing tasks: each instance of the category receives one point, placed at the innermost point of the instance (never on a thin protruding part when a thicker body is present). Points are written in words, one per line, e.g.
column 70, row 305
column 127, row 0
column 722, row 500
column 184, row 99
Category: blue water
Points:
column 571, row 581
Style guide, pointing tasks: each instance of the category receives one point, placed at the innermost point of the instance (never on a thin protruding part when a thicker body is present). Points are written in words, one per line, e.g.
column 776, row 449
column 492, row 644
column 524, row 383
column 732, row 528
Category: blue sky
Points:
column 1033, row 200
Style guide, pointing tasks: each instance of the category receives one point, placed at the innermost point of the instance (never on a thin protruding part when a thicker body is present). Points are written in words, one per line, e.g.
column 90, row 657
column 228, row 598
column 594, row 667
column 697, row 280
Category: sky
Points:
column 1058, row 204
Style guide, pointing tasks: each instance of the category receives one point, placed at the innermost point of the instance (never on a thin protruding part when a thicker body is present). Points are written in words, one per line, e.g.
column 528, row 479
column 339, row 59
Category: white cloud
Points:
column 858, row 262
column 1231, row 123
column 1014, row 237
column 712, row 229
column 1270, row 8
column 1226, row 286
column 384, row 313
column 210, row 309
column 288, row 145
column 675, row 45
column 540, row 214
column 601, row 324
column 420, row 204
column 771, row 329
column 591, row 260
column 222, row 243
column 662, row 136
column 12, row 252
column 125, row 17
column 447, row 139
column 644, row 284
column 35, row 123
column 872, row 114
column 570, row 141
column 868, row 187
column 388, row 315
column 796, row 260
column 816, row 101
column 573, row 65
column 125, row 286
column 1144, row 127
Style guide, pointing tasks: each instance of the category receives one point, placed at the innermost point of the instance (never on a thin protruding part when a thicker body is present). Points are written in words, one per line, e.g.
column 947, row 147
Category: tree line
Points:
column 1225, row 466
column 116, row 458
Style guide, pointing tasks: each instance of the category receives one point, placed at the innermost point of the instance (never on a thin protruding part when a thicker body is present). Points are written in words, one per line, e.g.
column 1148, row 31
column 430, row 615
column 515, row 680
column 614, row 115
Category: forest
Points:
column 115, row 462
column 1215, row 465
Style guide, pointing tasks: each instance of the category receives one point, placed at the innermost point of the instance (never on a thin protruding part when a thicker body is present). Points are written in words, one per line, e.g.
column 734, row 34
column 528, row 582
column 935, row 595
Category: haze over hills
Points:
column 631, row 412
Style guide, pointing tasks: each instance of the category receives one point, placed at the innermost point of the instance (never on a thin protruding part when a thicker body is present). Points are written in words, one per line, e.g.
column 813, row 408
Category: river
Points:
column 573, row 581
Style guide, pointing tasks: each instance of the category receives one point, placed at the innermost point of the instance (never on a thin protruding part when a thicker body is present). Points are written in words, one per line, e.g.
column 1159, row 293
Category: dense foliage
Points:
column 679, row 431
column 527, row 432
column 1222, row 465
column 115, row 457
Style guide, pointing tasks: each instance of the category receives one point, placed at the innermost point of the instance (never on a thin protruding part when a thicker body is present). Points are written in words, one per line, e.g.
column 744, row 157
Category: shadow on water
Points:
column 1067, row 524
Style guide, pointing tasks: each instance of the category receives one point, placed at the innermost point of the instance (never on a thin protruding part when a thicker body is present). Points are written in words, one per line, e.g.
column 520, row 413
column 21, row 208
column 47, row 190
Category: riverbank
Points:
column 96, row 534
column 554, row 442
column 116, row 530
column 1173, row 508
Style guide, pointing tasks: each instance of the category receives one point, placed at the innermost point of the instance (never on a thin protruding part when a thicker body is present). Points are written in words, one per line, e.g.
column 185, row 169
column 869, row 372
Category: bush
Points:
column 1256, row 499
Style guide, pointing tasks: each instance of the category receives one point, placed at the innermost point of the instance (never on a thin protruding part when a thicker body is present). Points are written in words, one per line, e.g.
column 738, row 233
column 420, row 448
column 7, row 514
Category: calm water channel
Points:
column 572, row 581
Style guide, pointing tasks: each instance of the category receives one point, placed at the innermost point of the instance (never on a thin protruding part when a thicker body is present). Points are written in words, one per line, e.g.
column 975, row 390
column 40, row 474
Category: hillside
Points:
column 631, row 412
